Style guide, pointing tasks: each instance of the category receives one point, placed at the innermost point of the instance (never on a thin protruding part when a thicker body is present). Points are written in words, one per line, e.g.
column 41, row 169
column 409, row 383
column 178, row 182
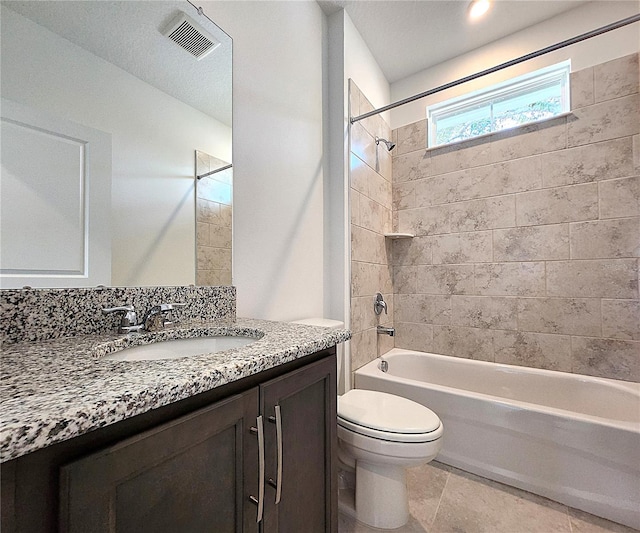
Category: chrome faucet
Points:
column 382, row 330
column 129, row 321
column 379, row 304
column 152, row 320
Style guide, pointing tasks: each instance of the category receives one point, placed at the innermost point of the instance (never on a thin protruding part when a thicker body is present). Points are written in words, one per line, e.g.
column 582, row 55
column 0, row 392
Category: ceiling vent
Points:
column 187, row 33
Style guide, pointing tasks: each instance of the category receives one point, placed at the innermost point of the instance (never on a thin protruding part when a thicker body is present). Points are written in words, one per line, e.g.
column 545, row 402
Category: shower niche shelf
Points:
column 399, row 235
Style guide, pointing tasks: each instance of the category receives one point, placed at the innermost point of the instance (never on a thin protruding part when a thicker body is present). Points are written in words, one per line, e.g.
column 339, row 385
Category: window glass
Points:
column 535, row 96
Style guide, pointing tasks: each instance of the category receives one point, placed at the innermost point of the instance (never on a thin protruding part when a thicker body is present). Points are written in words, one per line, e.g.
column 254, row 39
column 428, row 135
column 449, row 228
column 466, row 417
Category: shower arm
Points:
column 552, row 48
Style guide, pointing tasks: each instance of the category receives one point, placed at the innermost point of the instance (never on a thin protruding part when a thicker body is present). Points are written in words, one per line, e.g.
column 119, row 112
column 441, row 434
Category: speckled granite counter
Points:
column 54, row 390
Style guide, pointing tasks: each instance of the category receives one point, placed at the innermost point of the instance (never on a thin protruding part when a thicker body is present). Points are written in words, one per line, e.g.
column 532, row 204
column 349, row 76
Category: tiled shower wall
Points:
column 370, row 205
column 527, row 241
column 213, row 221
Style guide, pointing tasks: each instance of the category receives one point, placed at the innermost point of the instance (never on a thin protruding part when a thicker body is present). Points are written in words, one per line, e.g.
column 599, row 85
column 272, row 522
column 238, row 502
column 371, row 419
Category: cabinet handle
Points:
column 259, row 501
column 278, row 422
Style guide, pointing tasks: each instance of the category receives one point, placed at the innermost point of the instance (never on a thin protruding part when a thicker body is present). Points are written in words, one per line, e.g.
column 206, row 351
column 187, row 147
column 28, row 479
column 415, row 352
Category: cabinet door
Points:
column 184, row 476
column 306, row 399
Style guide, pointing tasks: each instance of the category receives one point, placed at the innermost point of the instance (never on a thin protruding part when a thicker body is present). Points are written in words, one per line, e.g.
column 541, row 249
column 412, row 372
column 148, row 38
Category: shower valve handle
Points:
column 379, row 304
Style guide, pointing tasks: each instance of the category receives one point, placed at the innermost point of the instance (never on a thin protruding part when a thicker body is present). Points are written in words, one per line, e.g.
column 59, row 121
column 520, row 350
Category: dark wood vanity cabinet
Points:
column 306, row 401
column 186, row 475
column 198, row 472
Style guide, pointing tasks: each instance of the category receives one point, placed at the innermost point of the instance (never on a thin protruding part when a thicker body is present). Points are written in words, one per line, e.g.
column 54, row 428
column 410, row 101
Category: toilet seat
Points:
column 387, row 417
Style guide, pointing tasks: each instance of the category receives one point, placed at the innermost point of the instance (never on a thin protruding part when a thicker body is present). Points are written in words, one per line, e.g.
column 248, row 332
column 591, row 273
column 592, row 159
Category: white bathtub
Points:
column 572, row 438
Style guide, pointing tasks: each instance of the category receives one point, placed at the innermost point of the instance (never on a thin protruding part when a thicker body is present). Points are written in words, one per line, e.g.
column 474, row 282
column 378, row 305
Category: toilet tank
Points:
column 343, row 370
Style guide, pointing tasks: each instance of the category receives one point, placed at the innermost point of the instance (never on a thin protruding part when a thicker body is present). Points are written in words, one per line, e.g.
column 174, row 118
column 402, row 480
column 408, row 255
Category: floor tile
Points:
column 582, row 522
column 473, row 504
column 346, row 524
column 443, row 499
column 425, row 485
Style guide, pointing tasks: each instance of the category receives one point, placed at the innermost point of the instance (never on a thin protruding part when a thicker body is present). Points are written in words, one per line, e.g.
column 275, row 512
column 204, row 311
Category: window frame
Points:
column 558, row 73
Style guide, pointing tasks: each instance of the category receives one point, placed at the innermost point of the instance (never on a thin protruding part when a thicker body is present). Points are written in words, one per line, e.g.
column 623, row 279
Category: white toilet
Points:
column 379, row 436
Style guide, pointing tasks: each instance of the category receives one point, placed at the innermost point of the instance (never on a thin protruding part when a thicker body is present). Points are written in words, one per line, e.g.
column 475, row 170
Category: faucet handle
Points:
column 379, row 304
column 121, row 308
column 170, row 307
column 129, row 321
column 153, row 319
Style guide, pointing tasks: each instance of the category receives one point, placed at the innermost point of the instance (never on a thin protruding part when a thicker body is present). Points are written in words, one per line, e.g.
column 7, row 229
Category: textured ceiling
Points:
column 407, row 36
column 128, row 34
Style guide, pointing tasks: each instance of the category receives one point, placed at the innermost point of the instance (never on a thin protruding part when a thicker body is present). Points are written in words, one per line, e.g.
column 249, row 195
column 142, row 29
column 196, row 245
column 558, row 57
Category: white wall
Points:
column 362, row 68
column 154, row 138
column 336, row 188
column 278, row 241
column 616, row 43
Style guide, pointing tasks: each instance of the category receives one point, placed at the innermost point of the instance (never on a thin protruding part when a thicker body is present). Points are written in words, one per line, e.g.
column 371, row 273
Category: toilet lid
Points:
column 385, row 413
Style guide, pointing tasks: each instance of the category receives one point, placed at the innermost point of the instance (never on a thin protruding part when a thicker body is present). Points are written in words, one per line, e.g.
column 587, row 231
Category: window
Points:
column 529, row 98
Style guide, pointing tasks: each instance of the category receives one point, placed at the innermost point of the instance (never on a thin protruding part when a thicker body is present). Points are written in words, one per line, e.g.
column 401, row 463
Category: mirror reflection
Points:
column 106, row 121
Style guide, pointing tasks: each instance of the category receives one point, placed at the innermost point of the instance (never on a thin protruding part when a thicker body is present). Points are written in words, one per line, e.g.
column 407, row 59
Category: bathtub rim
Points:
column 373, row 368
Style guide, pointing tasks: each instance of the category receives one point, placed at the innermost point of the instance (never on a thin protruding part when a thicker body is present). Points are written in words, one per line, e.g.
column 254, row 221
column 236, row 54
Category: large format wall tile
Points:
column 529, row 140
column 471, row 343
column 473, row 247
column 611, row 278
column 416, row 251
column 474, row 215
column 606, row 357
column 606, row 238
column 380, row 190
column 372, row 215
column 366, row 245
column 445, row 279
column 568, row 316
column 413, row 336
column 404, row 195
column 404, row 280
column 592, row 162
column 603, row 121
column 531, row 243
column 363, row 145
column 422, row 308
column 616, row 78
column 480, row 182
column 510, row 279
column 539, row 350
column 484, row 312
column 459, row 156
column 582, row 88
column 619, row 198
column 621, row 319
column 412, row 166
column 412, row 137
column 562, row 204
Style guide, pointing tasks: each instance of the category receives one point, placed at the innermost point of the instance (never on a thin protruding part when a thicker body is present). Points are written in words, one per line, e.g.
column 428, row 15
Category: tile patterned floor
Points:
column 443, row 499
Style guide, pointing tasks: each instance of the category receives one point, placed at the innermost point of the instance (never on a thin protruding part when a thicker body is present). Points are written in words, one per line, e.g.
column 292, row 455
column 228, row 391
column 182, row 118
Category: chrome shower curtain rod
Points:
column 552, row 48
column 214, row 171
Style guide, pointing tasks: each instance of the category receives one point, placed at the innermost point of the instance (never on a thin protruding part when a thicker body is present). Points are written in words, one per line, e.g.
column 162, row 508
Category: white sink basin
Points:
column 177, row 348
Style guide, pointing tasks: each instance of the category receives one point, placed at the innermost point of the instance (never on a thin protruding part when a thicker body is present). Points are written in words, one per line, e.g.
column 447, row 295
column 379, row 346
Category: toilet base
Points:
column 381, row 495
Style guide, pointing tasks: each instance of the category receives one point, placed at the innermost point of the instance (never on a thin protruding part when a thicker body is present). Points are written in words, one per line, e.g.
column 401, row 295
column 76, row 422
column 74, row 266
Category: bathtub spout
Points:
column 386, row 331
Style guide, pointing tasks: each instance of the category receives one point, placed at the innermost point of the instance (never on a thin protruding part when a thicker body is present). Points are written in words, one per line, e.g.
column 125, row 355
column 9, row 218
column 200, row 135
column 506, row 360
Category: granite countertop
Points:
column 51, row 391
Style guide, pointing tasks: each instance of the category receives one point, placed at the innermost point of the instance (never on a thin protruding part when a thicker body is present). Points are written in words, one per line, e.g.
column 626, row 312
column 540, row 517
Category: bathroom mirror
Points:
column 126, row 92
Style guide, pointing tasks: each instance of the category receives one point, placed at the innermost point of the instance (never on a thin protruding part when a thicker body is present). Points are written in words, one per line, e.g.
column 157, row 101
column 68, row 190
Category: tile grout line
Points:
column 435, row 514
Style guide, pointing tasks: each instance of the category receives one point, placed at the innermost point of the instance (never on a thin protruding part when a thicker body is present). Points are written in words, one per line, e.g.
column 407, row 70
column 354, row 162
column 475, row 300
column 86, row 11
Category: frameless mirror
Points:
column 109, row 111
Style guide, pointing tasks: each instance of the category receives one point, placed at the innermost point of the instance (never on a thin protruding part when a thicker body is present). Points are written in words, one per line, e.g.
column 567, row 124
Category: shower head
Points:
column 390, row 145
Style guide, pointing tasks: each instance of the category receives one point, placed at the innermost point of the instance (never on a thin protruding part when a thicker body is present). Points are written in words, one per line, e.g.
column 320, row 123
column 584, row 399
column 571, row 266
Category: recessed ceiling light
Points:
column 477, row 8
